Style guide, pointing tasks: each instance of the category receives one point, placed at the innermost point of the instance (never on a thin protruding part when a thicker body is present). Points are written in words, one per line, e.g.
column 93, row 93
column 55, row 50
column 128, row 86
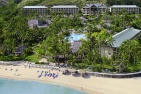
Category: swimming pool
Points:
column 8, row 86
column 74, row 37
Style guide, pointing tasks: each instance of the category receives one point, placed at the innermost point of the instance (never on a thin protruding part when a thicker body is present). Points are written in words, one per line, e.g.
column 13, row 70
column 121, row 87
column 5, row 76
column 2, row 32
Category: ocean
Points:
column 10, row 86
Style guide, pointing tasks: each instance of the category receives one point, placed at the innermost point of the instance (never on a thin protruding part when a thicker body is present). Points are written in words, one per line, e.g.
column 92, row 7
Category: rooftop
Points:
column 124, row 6
column 64, row 6
column 20, row 49
column 75, row 46
column 38, row 23
column 34, row 7
column 96, row 4
column 124, row 35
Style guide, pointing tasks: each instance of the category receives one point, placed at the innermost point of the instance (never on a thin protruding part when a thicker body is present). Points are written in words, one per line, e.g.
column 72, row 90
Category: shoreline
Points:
column 92, row 85
column 82, row 89
column 52, row 83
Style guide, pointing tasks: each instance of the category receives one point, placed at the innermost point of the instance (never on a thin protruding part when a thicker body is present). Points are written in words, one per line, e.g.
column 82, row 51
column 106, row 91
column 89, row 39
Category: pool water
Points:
column 75, row 37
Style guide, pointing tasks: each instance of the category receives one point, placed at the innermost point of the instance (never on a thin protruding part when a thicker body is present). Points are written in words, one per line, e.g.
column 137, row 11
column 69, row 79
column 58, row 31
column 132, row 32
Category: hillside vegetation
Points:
column 3, row 2
column 68, row 2
column 50, row 2
column 124, row 2
column 53, row 42
column 79, row 3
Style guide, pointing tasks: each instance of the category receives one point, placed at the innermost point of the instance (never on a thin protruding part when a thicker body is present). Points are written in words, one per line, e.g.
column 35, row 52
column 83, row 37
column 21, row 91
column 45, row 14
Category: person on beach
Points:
column 25, row 66
column 16, row 70
column 42, row 72
column 82, row 88
column 45, row 73
column 29, row 65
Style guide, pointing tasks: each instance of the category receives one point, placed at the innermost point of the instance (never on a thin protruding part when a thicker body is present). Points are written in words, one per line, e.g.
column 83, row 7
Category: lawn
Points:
column 33, row 58
column 9, row 58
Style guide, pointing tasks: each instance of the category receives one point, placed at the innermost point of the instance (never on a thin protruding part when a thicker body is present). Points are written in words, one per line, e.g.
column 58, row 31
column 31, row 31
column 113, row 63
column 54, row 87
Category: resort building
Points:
column 19, row 50
column 37, row 23
column 41, row 10
column 3, row 2
column 124, row 8
column 92, row 9
column 75, row 45
column 118, row 39
column 66, row 9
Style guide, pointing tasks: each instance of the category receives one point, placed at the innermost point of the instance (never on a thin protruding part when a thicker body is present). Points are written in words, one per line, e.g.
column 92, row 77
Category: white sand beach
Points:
column 92, row 85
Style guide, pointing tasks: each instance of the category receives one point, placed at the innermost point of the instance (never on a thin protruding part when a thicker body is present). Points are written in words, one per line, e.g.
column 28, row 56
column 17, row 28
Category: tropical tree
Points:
column 125, row 52
column 135, row 51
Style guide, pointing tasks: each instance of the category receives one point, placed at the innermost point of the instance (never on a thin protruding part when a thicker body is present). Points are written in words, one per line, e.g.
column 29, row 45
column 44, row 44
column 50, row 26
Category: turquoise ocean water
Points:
column 10, row 86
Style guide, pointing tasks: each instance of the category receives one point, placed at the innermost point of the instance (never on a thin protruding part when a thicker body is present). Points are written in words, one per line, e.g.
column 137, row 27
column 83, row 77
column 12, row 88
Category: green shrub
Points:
column 9, row 58
column 42, row 62
column 36, row 62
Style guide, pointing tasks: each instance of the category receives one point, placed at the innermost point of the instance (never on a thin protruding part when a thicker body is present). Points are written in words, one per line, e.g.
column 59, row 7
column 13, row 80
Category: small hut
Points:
column 19, row 50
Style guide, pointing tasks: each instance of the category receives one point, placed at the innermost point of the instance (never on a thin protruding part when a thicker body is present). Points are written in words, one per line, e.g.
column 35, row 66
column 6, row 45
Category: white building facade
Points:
column 124, row 8
column 41, row 10
column 65, row 9
column 92, row 9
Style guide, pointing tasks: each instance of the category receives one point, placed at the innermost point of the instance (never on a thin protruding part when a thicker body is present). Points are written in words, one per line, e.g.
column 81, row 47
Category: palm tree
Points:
column 83, row 49
column 125, row 52
column 101, row 38
column 8, row 46
column 135, row 50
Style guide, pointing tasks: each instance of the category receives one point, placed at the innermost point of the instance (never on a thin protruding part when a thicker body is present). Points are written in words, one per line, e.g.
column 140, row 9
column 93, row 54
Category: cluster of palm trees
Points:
column 129, row 53
column 15, row 31
column 53, row 42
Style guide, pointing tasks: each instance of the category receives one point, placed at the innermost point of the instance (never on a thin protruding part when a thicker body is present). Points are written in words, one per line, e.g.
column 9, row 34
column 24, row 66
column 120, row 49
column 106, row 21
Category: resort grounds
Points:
column 92, row 85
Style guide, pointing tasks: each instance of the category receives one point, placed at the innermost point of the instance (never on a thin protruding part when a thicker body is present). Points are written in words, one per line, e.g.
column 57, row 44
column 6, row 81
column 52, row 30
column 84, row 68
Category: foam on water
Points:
column 9, row 86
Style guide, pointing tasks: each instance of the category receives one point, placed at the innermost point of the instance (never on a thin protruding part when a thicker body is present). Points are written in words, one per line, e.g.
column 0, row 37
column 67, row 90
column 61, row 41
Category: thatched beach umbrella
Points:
column 65, row 71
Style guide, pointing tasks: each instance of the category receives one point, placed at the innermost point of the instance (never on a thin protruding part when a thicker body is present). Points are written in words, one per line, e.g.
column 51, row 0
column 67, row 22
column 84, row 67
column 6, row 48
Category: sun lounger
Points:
column 50, row 74
column 46, row 73
column 39, row 76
